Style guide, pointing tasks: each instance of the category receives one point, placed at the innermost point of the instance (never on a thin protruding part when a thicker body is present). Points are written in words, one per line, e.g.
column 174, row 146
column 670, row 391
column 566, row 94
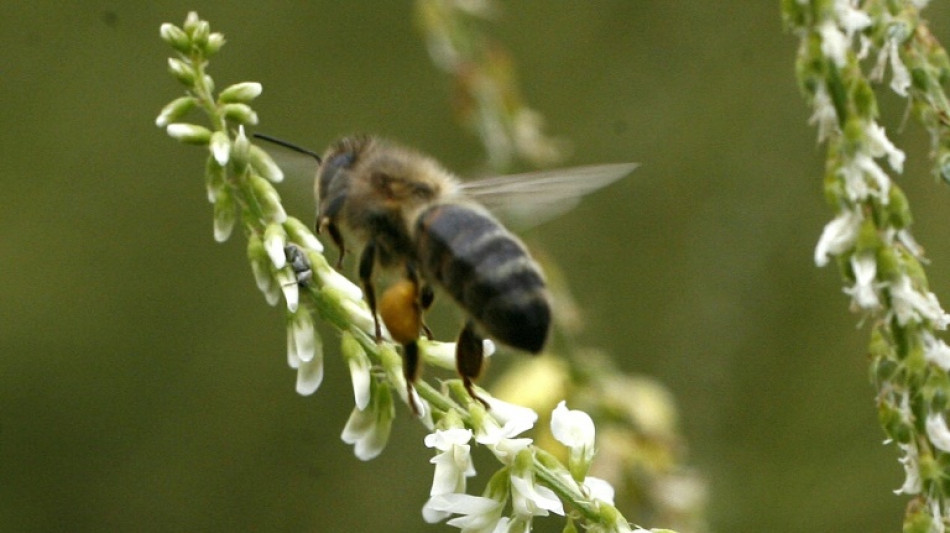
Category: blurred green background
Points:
column 143, row 379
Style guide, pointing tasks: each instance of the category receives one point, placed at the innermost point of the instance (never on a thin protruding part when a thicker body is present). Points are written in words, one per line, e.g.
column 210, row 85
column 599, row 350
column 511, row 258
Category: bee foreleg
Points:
column 367, row 262
column 469, row 354
column 334, row 232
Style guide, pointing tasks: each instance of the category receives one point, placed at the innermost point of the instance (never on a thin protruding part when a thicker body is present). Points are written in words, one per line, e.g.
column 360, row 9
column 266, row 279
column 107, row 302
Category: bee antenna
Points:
column 291, row 146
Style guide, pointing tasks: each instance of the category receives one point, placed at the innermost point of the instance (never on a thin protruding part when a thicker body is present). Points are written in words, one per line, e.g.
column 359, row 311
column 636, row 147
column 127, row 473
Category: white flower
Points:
column 910, row 304
column 359, row 373
column 368, row 430
column 452, row 466
column 275, row 239
column 220, row 147
column 834, row 43
column 287, row 281
column 478, row 513
column 498, row 431
column 880, row 145
column 900, row 76
column 530, row 499
column 838, row 236
column 574, row 429
column 910, row 463
column 864, row 291
column 824, row 115
column 304, row 352
column 938, row 432
column 864, row 165
column 851, row 18
column 599, row 489
column 936, row 351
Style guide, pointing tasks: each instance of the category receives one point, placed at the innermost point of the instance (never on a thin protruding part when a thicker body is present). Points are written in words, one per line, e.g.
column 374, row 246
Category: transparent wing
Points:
column 526, row 200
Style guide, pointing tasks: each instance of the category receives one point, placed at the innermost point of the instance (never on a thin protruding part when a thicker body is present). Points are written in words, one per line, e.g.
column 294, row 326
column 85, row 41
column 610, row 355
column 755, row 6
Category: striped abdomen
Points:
column 487, row 270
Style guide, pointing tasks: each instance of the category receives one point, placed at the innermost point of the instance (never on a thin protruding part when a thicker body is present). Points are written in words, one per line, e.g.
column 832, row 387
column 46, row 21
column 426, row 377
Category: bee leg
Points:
column 367, row 261
column 410, row 369
column 326, row 224
column 426, row 296
column 469, row 353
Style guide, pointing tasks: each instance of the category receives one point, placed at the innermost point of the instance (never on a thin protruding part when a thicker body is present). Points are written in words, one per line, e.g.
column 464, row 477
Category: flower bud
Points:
column 176, row 37
column 240, row 113
column 240, row 93
column 189, row 133
column 215, row 42
column 182, row 71
column 298, row 232
column 260, row 266
column 275, row 238
column 220, row 147
column 223, row 215
column 264, row 164
column 176, row 109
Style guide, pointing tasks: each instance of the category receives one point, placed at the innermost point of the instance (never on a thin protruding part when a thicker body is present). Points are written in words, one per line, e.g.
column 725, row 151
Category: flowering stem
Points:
column 870, row 236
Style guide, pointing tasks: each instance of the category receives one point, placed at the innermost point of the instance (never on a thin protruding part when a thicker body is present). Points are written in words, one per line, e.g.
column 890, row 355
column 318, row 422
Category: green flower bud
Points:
column 176, row 109
column 220, row 146
column 240, row 113
column 260, row 266
column 182, row 71
column 215, row 42
column 300, row 233
column 269, row 199
column 214, row 179
column 264, row 164
column 176, row 37
column 191, row 22
column 223, row 215
column 200, row 34
column 242, row 92
column 189, row 133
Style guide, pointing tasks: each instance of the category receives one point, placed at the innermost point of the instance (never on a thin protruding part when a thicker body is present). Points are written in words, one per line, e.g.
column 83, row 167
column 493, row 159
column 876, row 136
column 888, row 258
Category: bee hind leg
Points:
column 410, row 369
column 469, row 355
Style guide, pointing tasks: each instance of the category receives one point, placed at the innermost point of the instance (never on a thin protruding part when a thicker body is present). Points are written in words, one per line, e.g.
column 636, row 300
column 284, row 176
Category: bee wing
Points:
column 526, row 200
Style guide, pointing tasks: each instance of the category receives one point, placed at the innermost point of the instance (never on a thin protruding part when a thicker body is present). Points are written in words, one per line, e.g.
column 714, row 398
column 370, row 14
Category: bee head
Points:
column 333, row 174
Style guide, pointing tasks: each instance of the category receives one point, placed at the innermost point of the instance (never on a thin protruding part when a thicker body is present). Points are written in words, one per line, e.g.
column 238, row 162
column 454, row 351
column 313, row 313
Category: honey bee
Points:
column 414, row 215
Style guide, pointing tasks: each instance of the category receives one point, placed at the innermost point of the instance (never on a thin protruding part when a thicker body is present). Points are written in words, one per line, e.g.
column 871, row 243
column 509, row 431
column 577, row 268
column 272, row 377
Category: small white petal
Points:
column 360, row 375
column 305, row 337
column 531, row 499
column 310, row 375
column 571, row 427
column 600, row 489
column 938, row 432
column 909, row 461
column 838, row 236
column 287, row 281
column 900, row 76
column 368, row 432
column 275, row 239
column 864, row 291
column 834, row 43
column 936, row 351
